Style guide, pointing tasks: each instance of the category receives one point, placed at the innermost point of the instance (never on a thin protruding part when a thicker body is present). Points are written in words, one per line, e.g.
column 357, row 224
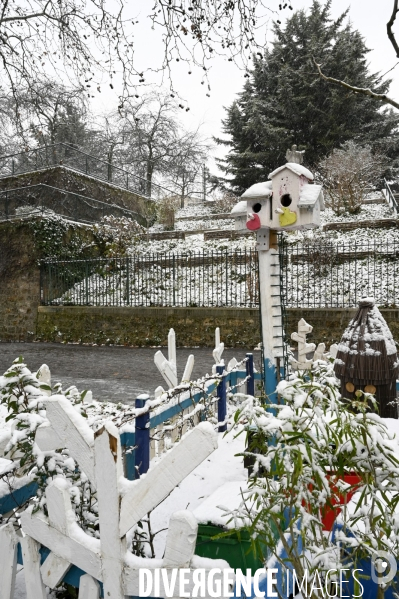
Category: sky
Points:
column 226, row 79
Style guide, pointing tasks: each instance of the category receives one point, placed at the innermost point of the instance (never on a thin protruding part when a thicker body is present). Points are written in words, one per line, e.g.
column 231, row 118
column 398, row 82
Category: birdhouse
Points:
column 289, row 201
column 366, row 359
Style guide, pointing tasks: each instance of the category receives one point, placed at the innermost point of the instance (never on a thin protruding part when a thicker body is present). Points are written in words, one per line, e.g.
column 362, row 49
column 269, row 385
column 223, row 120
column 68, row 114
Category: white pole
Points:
column 270, row 308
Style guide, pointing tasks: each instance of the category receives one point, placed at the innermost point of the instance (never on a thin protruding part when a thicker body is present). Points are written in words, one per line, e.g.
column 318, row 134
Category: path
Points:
column 112, row 373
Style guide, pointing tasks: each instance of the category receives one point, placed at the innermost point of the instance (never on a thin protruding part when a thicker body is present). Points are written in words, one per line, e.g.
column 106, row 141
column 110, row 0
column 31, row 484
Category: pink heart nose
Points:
column 253, row 224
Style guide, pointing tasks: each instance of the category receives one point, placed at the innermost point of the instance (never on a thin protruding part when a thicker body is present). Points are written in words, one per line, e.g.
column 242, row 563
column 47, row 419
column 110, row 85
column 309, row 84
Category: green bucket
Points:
column 235, row 549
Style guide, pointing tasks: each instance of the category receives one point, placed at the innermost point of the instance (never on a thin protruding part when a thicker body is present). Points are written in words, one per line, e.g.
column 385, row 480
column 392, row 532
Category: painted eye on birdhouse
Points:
column 350, row 387
column 286, row 200
column 370, row 389
column 257, row 207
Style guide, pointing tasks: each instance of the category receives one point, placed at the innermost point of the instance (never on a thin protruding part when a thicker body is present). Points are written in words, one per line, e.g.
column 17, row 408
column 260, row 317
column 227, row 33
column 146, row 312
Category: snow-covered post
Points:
column 290, row 201
column 142, row 453
column 222, row 399
column 249, row 366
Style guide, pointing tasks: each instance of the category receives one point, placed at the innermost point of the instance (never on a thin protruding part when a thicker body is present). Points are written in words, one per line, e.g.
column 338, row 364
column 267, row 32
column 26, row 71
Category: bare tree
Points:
column 89, row 40
column 157, row 144
column 368, row 92
column 50, row 113
column 63, row 37
column 346, row 173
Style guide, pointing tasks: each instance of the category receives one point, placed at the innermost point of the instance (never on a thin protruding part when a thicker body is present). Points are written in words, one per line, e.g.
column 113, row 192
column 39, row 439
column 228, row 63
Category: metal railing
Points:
column 73, row 158
column 201, row 279
column 41, row 199
column 329, row 274
column 390, row 196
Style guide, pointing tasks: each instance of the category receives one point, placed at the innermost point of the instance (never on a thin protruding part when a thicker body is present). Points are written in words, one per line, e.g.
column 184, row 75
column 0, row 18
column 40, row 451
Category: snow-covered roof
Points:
column 240, row 208
column 298, row 169
column 259, row 190
column 310, row 194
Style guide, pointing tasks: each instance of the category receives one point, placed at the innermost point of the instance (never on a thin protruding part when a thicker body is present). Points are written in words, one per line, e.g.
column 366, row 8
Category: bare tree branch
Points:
column 357, row 90
column 390, row 23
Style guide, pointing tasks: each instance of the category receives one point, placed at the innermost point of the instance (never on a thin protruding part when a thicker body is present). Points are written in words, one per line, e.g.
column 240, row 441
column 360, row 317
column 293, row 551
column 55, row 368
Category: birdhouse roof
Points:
column 367, row 352
column 298, row 169
column 259, row 190
column 309, row 195
column 240, row 208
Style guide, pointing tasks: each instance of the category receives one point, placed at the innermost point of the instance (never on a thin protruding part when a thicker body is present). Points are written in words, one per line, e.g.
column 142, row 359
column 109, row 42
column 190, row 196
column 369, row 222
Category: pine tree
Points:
column 284, row 101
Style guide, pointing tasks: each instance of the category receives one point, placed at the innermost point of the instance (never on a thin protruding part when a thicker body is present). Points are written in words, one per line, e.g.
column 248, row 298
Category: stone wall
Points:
column 194, row 326
column 67, row 179
column 20, row 283
column 148, row 326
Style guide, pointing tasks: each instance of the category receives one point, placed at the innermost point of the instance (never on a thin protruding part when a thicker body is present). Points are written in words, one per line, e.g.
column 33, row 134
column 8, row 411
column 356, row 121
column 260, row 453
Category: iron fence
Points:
column 326, row 273
column 41, row 199
column 202, row 279
column 73, row 158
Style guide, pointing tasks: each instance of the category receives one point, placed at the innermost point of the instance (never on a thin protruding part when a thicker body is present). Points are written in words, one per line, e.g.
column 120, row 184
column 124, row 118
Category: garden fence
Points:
column 203, row 279
column 327, row 273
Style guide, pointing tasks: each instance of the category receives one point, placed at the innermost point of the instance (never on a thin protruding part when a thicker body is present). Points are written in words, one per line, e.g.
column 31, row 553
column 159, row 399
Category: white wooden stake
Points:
column 54, row 569
column 172, row 349
column 188, row 369
column 152, row 488
column 219, row 347
column 108, row 468
column 180, row 540
column 8, row 561
column 88, row 588
column 59, row 506
column 35, row 588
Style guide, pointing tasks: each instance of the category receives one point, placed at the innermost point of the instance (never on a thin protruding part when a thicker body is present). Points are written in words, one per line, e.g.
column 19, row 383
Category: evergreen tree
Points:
column 284, row 101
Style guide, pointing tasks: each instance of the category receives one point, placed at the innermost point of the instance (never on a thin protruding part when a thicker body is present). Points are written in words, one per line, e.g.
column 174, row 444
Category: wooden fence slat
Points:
column 148, row 492
column 70, row 549
column 54, row 569
column 35, row 588
column 142, row 439
column 222, row 399
column 108, row 469
column 73, row 431
column 88, row 588
column 180, row 540
column 60, row 512
column 8, row 561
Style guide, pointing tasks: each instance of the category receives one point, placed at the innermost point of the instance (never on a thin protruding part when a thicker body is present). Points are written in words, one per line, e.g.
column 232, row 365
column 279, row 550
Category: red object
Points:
column 329, row 514
column 253, row 224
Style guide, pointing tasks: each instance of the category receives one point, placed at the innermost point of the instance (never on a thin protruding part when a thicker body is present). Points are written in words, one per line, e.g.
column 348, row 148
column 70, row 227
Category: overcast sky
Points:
column 368, row 16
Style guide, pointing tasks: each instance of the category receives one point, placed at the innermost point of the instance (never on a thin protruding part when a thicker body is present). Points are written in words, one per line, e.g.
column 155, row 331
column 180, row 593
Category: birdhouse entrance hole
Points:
column 286, row 200
column 257, row 207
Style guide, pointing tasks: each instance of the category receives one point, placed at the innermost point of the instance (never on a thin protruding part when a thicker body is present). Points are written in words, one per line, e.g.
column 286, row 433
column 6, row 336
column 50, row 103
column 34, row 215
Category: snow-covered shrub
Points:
column 346, row 174
column 115, row 235
column 302, row 449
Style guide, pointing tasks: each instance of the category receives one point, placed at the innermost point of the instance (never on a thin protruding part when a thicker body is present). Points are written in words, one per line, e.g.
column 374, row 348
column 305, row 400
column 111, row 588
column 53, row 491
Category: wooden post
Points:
column 142, row 440
column 249, row 366
column 8, row 561
column 108, row 468
column 222, row 400
column 35, row 588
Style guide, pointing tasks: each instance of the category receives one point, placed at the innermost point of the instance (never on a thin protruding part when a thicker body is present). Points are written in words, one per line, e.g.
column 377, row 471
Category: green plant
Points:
column 301, row 451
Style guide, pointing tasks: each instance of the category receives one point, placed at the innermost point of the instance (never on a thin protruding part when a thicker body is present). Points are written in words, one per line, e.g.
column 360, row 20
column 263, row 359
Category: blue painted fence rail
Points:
column 137, row 444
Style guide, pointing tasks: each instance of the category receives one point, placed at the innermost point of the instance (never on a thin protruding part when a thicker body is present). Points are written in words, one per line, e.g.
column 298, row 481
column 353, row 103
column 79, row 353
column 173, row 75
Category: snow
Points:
column 310, row 194
column 240, row 208
column 298, row 169
column 258, row 190
column 217, row 508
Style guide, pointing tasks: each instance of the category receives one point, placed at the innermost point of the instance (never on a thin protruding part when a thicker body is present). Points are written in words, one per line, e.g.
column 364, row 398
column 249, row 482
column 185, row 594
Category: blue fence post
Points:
column 142, row 439
column 249, row 366
column 222, row 399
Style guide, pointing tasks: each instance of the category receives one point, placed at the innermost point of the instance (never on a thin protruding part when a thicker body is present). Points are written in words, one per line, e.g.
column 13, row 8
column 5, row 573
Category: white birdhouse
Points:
column 288, row 202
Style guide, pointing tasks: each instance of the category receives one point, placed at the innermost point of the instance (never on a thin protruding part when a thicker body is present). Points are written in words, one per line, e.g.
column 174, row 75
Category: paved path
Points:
column 112, row 373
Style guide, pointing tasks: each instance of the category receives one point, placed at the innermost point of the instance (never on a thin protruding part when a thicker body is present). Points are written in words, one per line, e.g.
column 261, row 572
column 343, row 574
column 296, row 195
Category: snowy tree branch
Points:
column 357, row 90
column 390, row 23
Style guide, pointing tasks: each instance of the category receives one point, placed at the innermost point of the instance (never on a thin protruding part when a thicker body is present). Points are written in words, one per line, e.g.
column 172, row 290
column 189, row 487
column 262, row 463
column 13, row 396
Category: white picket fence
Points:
column 121, row 503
